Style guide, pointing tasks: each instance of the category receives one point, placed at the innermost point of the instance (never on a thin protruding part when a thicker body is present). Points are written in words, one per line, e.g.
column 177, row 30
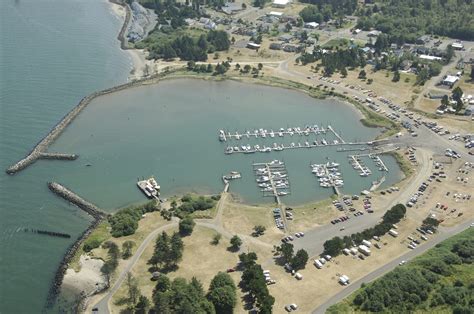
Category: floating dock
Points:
column 328, row 178
column 150, row 188
column 359, row 166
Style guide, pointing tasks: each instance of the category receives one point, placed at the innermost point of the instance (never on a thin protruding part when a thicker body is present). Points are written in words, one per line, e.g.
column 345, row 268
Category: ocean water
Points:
column 53, row 53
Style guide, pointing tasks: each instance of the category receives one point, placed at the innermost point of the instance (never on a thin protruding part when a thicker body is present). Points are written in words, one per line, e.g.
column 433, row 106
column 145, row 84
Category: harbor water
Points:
column 53, row 53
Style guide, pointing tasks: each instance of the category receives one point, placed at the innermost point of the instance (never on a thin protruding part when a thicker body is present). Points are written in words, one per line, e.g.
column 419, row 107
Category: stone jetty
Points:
column 39, row 151
column 97, row 214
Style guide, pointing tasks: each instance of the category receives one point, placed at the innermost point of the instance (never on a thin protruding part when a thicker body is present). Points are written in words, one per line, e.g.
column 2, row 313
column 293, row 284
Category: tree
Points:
column 127, row 249
column 215, row 240
column 299, row 260
column 472, row 73
column 162, row 250
column 449, row 53
column 168, row 52
column 143, row 305
column 247, row 68
column 334, row 246
column 222, row 293
column 362, row 75
column 132, row 289
column 176, row 249
column 190, row 66
column 235, row 243
column 396, row 76
column 163, row 284
column 259, row 230
column 445, row 101
column 286, row 250
column 457, row 96
column 223, row 299
column 260, row 67
column 247, row 259
column 344, row 72
column 186, row 226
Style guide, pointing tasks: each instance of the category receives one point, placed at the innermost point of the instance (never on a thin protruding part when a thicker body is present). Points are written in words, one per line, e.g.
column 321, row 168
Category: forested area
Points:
column 172, row 38
column 441, row 280
column 125, row 221
column 324, row 10
column 405, row 20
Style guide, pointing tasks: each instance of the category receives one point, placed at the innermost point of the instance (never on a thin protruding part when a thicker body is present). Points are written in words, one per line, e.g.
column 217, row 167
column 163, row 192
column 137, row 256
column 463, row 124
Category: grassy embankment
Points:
column 445, row 274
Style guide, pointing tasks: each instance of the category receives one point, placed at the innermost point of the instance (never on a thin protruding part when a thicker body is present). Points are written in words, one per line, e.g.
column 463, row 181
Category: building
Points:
column 280, row 3
column 231, row 8
column 275, row 46
column 311, row 25
column 457, row 45
column 469, row 110
column 253, row 46
column 450, row 80
column 430, row 58
column 275, row 14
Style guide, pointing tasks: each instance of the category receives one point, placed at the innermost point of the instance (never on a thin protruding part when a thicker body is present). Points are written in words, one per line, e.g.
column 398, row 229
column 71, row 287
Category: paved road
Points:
column 444, row 233
column 103, row 305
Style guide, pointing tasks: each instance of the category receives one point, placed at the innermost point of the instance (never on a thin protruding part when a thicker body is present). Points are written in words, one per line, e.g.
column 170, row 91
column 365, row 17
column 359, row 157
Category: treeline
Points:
column 438, row 281
column 180, row 296
column 125, row 221
column 335, row 246
column 190, row 204
column 324, row 10
column 405, row 20
column 253, row 281
column 188, row 48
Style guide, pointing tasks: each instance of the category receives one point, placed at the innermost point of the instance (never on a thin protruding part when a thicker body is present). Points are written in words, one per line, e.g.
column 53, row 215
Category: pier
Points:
column 379, row 162
column 357, row 165
column 58, row 156
column 336, row 134
column 328, row 178
column 272, row 177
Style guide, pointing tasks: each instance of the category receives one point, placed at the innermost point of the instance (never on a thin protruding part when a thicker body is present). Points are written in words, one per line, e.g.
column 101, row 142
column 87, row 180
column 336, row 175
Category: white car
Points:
column 402, row 263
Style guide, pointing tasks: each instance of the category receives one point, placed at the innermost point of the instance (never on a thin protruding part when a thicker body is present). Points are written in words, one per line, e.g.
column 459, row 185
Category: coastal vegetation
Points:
column 168, row 252
column 405, row 20
column 440, row 280
column 193, row 203
column 180, row 296
column 335, row 245
column 253, row 282
column 172, row 38
column 125, row 221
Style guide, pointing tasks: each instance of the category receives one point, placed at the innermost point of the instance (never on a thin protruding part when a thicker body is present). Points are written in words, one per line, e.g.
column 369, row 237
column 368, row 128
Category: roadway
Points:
column 442, row 235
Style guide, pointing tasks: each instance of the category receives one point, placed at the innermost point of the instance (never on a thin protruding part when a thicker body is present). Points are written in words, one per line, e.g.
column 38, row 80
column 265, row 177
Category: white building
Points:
column 430, row 58
column 450, row 80
column 275, row 14
column 280, row 3
column 311, row 25
column 457, row 45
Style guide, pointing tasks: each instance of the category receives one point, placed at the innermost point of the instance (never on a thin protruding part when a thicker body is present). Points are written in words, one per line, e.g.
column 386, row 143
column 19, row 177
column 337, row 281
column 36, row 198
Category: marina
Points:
column 359, row 165
column 328, row 175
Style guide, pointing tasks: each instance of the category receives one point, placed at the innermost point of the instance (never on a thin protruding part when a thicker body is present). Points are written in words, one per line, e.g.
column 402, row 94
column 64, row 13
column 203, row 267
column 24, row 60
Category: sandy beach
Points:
column 137, row 57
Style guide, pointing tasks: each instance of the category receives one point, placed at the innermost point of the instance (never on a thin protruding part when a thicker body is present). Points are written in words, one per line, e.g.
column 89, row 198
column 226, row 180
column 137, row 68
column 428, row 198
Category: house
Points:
column 469, row 110
column 423, row 39
column 275, row 46
column 285, row 38
column 207, row 23
column 374, row 33
column 457, row 45
column 450, row 80
column 252, row 45
column 280, row 3
column 231, row 8
column 290, row 48
column 311, row 25
column 430, row 58
column 275, row 14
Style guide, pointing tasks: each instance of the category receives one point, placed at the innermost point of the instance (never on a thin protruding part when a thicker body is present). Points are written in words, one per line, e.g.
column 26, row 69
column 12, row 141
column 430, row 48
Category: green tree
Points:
column 132, row 290
column 216, row 239
column 223, row 299
column 334, row 246
column 176, row 249
column 299, row 260
column 344, row 72
column 396, row 76
column 161, row 251
column 472, row 73
column 362, row 75
column 286, row 250
column 259, row 230
column 163, row 284
column 186, row 226
column 235, row 243
column 142, row 306
column 127, row 249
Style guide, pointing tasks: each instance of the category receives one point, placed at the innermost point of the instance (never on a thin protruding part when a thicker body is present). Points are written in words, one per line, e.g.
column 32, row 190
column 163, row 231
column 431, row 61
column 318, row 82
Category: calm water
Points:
column 170, row 130
column 54, row 52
